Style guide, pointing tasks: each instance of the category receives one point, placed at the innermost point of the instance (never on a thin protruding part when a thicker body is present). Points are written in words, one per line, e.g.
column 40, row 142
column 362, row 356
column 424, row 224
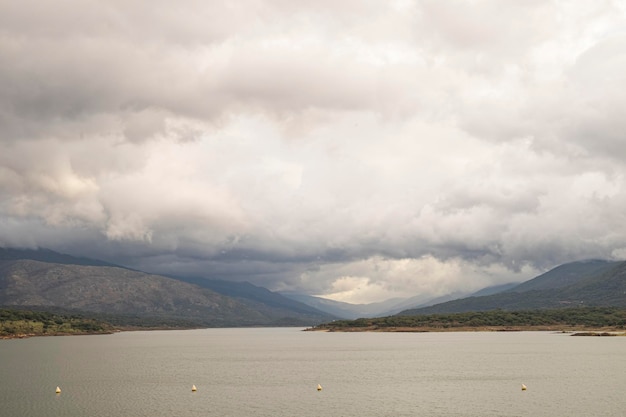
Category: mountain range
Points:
column 46, row 280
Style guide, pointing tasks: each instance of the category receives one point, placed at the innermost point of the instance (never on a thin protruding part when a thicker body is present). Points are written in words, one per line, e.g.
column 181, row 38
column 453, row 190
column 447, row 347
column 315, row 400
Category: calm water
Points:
column 275, row 372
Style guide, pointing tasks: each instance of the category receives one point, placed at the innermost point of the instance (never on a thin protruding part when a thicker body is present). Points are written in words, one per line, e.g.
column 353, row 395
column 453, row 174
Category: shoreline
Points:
column 29, row 335
column 574, row 330
column 96, row 333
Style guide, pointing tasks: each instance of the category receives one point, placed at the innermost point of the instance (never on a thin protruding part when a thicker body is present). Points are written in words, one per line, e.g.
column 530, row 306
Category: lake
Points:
column 275, row 372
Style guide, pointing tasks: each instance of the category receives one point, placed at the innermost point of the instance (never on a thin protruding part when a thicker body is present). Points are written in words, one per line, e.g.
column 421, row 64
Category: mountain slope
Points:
column 121, row 291
column 260, row 298
column 606, row 288
column 565, row 275
column 113, row 290
column 494, row 289
column 589, row 283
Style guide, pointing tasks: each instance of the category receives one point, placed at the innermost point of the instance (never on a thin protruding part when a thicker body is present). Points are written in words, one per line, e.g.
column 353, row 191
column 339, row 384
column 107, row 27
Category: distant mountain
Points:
column 381, row 309
column 583, row 283
column 421, row 301
column 345, row 310
column 260, row 298
column 80, row 284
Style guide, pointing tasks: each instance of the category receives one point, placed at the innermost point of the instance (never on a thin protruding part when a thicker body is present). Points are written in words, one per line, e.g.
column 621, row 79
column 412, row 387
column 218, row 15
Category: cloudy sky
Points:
column 359, row 150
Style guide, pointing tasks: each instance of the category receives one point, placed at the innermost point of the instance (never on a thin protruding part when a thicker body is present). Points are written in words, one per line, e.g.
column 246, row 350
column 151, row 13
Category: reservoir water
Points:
column 275, row 372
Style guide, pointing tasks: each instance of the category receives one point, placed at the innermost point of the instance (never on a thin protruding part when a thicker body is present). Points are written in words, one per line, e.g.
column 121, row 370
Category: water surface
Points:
column 275, row 372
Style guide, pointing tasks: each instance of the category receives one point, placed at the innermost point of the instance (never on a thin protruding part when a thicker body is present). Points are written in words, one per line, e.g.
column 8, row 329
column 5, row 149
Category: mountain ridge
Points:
column 50, row 256
column 84, row 284
column 589, row 283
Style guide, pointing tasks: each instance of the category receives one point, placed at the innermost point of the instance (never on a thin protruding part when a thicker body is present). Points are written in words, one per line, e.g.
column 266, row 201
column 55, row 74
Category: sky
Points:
column 356, row 150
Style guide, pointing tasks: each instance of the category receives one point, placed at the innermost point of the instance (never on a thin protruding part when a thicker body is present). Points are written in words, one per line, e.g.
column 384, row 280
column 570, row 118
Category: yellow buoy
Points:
column 193, row 388
column 58, row 390
column 523, row 387
column 319, row 387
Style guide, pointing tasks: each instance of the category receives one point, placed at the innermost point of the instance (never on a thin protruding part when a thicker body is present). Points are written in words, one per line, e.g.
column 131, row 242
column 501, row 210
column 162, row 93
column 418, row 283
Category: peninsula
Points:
column 588, row 320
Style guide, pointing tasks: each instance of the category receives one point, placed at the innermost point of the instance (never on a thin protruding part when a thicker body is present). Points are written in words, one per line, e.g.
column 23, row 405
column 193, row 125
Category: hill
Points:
column 583, row 283
column 133, row 297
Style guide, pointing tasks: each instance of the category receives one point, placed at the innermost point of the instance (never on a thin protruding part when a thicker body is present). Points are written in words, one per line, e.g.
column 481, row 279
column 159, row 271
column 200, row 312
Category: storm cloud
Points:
column 357, row 150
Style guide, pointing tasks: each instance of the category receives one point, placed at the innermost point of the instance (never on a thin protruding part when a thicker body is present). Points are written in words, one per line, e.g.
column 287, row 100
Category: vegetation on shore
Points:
column 16, row 322
column 582, row 318
column 26, row 323
column 595, row 321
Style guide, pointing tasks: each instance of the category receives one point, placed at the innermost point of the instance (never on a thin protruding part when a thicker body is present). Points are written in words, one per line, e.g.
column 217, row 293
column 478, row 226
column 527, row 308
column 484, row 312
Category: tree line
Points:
column 14, row 322
column 589, row 317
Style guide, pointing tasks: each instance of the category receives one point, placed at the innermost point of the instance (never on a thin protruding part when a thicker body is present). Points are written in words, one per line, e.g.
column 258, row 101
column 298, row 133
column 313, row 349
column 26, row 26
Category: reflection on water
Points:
column 275, row 372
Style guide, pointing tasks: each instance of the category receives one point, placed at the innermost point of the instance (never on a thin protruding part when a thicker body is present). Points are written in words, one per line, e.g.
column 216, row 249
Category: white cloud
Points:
column 377, row 278
column 361, row 150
